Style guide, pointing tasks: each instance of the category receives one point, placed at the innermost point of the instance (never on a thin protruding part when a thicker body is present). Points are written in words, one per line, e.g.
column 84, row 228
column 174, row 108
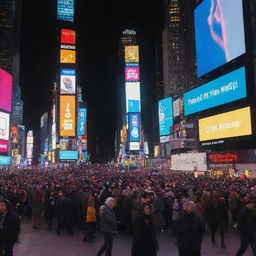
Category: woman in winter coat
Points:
column 144, row 238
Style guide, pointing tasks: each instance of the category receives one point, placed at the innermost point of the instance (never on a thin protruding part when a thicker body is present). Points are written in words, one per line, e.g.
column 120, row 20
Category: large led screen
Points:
column 225, row 89
column 219, row 33
column 165, row 116
column 4, row 126
column 230, row 124
column 5, row 160
column 67, row 81
column 5, row 91
column 68, row 116
column 134, row 127
column 132, row 53
column 81, row 127
column 132, row 73
column 3, row 146
column 68, row 36
column 68, row 155
column 132, row 92
column 67, row 56
column 65, row 10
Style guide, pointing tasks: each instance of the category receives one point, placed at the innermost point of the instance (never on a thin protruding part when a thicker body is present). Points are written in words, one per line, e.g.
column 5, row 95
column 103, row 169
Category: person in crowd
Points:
column 9, row 228
column 144, row 241
column 90, row 220
column 189, row 230
column 49, row 207
column 37, row 206
column 108, row 226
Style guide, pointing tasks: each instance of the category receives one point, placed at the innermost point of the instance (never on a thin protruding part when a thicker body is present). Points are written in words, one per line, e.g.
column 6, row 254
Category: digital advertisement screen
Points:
column 4, row 126
column 3, row 146
column 134, row 146
column 67, row 56
column 134, row 127
column 67, row 81
column 65, row 10
column 68, row 155
column 165, row 116
column 219, row 30
column 132, row 53
column 81, row 121
column 132, row 93
column 5, row 91
column 68, row 36
column 5, row 160
column 224, row 89
column 68, row 116
column 132, row 73
column 230, row 124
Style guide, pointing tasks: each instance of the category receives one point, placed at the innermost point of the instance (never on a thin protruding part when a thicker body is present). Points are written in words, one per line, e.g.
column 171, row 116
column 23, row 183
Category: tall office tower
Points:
column 178, row 47
column 17, row 106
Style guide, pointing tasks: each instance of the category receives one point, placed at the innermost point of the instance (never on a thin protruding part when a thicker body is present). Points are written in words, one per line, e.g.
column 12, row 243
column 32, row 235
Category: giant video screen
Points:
column 65, row 10
column 227, row 125
column 131, row 53
column 165, row 115
column 132, row 93
column 5, row 91
column 222, row 90
column 4, row 126
column 219, row 33
column 134, row 127
column 67, row 81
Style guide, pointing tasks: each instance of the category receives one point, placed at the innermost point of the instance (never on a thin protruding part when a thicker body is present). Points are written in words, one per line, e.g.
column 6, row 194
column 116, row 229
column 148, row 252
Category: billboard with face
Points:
column 67, row 56
column 132, row 73
column 132, row 97
column 68, row 36
column 4, row 126
column 5, row 91
column 67, row 81
column 132, row 53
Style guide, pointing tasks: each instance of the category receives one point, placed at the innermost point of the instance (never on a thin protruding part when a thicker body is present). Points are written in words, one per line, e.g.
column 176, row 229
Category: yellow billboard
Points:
column 67, row 56
column 132, row 53
column 67, row 116
column 230, row 124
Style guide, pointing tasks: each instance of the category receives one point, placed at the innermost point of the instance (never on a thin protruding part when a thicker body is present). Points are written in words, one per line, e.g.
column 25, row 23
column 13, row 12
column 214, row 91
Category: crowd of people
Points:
column 139, row 203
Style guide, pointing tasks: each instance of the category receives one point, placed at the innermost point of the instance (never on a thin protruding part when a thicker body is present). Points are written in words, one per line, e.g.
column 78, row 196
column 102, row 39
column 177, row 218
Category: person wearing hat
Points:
column 9, row 228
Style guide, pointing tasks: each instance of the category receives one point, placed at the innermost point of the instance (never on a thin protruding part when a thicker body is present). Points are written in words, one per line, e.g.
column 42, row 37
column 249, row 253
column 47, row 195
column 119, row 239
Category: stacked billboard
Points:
column 30, row 141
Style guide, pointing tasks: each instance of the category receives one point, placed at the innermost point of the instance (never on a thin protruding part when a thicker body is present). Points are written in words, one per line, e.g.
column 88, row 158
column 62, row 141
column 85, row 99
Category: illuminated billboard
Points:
column 4, row 126
column 230, row 124
column 65, row 10
column 132, row 73
column 5, row 91
column 219, row 33
column 67, row 81
column 132, row 53
column 67, row 56
column 81, row 126
column 165, row 116
column 68, row 36
column 134, row 127
column 68, row 155
column 3, row 146
column 224, row 89
column 67, row 116
column 132, row 92
column 5, row 160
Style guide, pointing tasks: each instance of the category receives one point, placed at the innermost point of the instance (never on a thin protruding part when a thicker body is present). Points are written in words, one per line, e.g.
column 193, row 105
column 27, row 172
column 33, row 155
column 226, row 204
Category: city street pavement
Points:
column 41, row 242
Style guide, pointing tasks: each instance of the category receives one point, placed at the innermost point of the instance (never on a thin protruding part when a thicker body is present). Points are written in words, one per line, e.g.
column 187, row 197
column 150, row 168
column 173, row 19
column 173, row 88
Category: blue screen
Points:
column 134, row 127
column 133, row 106
column 65, row 10
column 5, row 160
column 225, row 89
column 219, row 33
column 68, row 155
column 81, row 121
column 165, row 116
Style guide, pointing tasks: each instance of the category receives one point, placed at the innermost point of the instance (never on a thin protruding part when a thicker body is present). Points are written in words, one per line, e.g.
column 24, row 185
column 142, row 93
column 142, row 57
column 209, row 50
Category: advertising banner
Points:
column 132, row 73
column 134, row 127
column 3, row 146
column 5, row 160
column 67, row 81
column 15, row 138
column 5, row 91
column 65, row 10
column 68, row 155
column 81, row 126
column 132, row 53
column 176, row 108
column 67, row 56
column 134, row 146
column 230, row 124
column 68, row 116
column 224, row 89
column 219, row 30
column 132, row 97
column 4, row 126
column 165, row 116
column 68, row 36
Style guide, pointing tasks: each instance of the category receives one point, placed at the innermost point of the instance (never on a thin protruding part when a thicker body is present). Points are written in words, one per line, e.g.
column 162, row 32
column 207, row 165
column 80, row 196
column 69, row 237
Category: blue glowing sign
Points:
column 81, row 127
column 68, row 155
column 227, row 88
column 85, row 155
column 5, row 160
column 219, row 33
column 65, row 10
column 134, row 127
column 165, row 116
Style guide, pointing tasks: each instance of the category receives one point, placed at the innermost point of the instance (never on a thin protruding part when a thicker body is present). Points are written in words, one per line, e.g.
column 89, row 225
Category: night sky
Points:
column 99, row 25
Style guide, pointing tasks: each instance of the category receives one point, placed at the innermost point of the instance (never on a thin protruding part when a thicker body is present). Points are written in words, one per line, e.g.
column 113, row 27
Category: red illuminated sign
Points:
column 68, row 36
column 222, row 158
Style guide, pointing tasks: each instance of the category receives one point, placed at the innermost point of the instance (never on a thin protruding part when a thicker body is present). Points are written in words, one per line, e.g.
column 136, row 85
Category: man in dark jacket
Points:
column 108, row 226
column 189, row 231
column 246, row 227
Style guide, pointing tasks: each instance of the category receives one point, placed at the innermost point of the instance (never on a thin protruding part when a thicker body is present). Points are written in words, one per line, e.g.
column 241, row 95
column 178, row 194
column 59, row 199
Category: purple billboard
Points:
column 5, row 91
